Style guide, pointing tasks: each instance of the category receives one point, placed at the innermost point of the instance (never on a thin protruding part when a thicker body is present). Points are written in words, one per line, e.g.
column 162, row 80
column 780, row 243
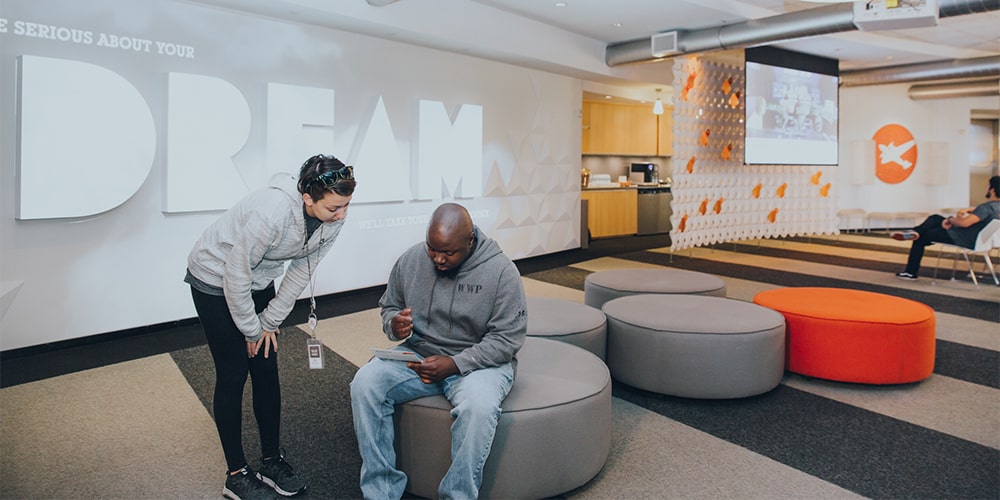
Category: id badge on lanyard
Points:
column 314, row 348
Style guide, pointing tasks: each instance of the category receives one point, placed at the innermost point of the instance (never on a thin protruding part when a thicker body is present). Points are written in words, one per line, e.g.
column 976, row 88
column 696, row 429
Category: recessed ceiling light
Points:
column 616, row 25
column 560, row 4
column 607, row 97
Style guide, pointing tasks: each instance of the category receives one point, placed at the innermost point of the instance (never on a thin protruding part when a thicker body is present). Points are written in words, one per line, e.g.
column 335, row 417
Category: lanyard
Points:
column 314, row 347
column 313, row 321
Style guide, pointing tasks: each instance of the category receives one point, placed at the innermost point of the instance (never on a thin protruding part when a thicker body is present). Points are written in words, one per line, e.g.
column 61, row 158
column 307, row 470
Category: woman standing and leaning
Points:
column 231, row 270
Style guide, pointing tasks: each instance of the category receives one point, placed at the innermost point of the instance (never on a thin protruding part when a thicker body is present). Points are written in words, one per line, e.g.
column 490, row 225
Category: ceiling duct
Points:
column 981, row 88
column 819, row 21
column 961, row 68
column 832, row 18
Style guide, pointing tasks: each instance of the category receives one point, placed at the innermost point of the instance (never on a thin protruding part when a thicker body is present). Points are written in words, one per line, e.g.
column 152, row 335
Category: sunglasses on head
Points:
column 328, row 179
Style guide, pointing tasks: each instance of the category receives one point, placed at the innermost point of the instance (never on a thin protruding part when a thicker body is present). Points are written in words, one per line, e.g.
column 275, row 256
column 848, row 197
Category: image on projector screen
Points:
column 791, row 116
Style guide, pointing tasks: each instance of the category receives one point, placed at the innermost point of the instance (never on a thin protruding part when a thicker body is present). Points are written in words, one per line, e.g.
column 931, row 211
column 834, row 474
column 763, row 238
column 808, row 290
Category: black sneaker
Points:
column 246, row 485
column 278, row 474
column 906, row 276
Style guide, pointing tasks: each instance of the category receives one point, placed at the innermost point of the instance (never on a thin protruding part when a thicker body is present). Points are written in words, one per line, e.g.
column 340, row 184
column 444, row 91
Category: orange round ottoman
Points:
column 853, row 335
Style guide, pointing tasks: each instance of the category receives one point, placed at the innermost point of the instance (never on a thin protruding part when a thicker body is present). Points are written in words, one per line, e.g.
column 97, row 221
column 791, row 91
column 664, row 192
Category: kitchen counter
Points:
column 660, row 188
column 611, row 211
column 614, row 210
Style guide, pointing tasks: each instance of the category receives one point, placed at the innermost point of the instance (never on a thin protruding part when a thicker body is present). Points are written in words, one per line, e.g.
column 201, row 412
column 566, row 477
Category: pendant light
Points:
column 658, row 104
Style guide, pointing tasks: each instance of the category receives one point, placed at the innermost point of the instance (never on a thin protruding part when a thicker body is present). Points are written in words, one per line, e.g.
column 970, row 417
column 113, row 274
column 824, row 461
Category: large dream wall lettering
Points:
column 178, row 137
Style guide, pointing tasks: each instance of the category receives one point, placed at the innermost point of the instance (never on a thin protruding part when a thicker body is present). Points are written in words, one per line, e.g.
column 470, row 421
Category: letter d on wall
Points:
column 86, row 141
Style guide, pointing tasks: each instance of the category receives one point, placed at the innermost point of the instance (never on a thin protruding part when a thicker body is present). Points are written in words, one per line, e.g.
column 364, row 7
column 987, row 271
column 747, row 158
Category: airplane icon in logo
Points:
column 892, row 153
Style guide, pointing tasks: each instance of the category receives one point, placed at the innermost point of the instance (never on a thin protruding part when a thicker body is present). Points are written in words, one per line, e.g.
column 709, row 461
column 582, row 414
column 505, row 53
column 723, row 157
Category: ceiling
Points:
column 572, row 38
column 953, row 38
column 957, row 37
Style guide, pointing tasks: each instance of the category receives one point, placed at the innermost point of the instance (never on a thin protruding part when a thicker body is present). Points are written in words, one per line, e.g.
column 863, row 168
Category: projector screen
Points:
column 791, row 115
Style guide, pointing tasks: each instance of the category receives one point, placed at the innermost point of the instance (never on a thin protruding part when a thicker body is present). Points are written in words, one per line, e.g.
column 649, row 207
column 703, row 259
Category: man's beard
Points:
column 450, row 273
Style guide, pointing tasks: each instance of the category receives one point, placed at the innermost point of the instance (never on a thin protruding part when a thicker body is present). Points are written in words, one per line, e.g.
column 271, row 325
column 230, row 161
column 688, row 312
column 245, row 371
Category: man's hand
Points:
column 434, row 368
column 963, row 219
column 402, row 324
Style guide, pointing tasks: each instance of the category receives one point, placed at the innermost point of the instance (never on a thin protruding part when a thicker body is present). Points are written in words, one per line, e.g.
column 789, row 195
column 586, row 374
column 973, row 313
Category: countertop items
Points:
column 601, row 181
column 615, row 186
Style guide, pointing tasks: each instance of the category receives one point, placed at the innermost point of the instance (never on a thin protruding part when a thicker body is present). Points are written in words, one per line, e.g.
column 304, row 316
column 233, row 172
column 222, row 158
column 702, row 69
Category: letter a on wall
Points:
column 896, row 153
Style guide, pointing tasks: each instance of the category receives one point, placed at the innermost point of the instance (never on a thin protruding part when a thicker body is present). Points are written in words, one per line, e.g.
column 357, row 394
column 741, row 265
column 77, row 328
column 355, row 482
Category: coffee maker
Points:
column 645, row 173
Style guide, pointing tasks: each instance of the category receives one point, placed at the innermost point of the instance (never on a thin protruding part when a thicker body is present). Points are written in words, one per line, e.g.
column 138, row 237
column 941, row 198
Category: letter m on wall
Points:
column 449, row 152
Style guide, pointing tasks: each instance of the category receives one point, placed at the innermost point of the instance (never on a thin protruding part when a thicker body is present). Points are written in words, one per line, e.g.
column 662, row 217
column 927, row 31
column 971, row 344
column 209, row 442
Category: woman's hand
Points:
column 267, row 339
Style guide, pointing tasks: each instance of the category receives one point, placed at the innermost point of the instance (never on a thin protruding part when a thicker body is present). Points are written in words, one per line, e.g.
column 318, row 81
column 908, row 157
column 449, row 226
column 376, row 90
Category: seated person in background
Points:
column 960, row 229
column 459, row 303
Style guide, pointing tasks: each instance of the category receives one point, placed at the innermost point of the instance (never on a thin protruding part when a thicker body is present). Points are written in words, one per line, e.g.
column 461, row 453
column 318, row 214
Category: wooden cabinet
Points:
column 626, row 130
column 665, row 132
column 611, row 212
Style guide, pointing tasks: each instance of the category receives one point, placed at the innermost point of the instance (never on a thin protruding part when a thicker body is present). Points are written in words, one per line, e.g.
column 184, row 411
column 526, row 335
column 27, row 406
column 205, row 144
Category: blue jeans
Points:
column 380, row 385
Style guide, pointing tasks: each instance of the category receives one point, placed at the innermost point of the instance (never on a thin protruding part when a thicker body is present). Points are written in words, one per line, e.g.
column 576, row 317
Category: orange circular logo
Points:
column 895, row 153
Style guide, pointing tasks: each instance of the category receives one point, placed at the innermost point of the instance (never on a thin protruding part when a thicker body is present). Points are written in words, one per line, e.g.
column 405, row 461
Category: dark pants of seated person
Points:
column 931, row 232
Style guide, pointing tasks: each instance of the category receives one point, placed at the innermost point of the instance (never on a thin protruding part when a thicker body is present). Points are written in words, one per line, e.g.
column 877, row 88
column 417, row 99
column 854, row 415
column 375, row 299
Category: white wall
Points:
column 70, row 271
column 931, row 186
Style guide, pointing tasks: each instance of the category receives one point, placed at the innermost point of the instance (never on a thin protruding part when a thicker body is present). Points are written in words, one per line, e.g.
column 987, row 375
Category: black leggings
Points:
column 229, row 351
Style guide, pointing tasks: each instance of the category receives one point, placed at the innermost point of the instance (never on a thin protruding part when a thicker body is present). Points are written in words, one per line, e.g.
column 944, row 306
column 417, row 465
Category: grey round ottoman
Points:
column 695, row 346
column 602, row 286
column 553, row 436
column 569, row 322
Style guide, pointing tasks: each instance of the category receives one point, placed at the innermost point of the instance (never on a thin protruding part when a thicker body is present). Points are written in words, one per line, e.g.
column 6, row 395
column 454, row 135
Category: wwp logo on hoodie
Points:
column 469, row 288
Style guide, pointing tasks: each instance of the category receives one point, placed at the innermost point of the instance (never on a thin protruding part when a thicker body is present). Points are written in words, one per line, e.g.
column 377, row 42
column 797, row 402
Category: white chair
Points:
column 987, row 239
column 887, row 218
column 845, row 217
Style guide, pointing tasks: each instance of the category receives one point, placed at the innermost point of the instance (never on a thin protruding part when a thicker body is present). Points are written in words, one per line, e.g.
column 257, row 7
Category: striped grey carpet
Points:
column 142, row 428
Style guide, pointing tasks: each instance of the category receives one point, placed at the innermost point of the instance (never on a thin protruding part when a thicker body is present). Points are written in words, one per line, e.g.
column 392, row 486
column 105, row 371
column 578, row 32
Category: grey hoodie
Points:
column 247, row 247
column 478, row 316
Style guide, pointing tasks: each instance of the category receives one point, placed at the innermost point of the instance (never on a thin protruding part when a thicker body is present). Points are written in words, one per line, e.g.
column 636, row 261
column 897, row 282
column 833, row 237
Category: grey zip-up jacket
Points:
column 478, row 317
column 246, row 249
